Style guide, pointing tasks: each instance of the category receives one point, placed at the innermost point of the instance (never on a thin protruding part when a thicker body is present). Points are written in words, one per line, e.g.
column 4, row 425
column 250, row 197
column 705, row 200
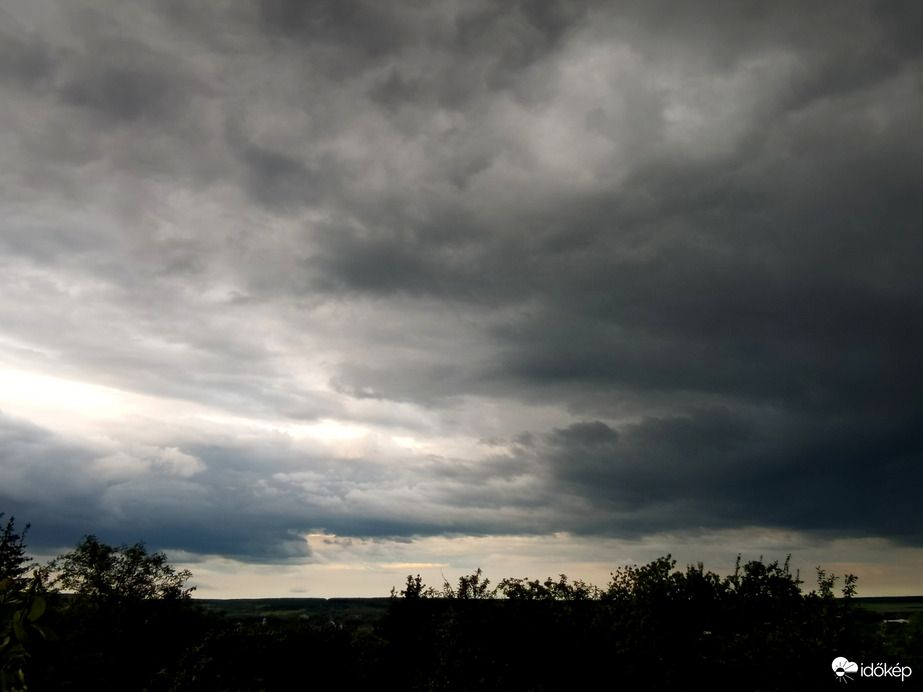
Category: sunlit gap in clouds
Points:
column 82, row 408
column 40, row 391
column 44, row 400
column 324, row 430
column 64, row 405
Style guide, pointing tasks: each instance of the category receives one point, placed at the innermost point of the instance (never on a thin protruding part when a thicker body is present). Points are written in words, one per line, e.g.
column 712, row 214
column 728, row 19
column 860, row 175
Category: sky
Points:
column 313, row 295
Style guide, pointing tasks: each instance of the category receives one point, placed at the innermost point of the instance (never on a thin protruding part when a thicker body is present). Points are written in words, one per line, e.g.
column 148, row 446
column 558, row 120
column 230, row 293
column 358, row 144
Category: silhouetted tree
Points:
column 14, row 563
column 21, row 605
column 109, row 574
column 123, row 615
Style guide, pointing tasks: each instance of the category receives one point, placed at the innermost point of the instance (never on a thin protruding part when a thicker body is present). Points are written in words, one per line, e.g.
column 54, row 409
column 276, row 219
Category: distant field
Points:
column 318, row 610
column 366, row 610
column 893, row 607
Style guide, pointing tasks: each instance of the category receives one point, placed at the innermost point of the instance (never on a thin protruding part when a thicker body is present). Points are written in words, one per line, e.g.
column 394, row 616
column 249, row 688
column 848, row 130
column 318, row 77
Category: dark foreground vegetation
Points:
column 119, row 618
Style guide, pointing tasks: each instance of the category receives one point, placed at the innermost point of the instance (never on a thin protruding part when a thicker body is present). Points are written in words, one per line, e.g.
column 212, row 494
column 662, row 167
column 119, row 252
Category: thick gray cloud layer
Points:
column 662, row 259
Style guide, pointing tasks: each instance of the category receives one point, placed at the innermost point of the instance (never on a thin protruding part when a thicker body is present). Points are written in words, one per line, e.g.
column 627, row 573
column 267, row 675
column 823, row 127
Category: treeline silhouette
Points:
column 119, row 618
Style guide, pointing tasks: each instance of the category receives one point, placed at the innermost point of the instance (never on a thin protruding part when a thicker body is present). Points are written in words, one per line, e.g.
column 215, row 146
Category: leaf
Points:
column 38, row 607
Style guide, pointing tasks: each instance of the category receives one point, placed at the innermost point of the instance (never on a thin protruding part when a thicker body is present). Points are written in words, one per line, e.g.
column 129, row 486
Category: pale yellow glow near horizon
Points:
column 357, row 567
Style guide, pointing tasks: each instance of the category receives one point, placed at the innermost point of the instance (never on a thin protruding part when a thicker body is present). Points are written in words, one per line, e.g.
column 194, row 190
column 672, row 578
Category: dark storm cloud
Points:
column 26, row 60
column 225, row 504
column 777, row 273
column 363, row 29
column 280, row 181
column 721, row 469
column 504, row 42
column 694, row 227
column 44, row 475
column 787, row 255
column 124, row 81
column 252, row 501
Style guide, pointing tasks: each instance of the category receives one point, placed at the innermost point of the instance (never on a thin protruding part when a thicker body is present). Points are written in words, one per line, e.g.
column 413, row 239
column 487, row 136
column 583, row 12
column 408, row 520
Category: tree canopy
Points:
column 102, row 572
